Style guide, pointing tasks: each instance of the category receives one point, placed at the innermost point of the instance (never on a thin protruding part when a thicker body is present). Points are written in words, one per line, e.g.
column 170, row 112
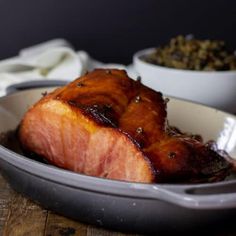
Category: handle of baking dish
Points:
column 203, row 196
column 34, row 84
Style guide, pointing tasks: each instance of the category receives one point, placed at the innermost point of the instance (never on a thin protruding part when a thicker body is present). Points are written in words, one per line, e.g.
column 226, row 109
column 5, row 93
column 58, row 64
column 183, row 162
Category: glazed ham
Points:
column 107, row 125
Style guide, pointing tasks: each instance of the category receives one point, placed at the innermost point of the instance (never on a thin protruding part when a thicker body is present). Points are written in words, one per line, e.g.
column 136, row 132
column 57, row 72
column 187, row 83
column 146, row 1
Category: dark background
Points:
column 112, row 30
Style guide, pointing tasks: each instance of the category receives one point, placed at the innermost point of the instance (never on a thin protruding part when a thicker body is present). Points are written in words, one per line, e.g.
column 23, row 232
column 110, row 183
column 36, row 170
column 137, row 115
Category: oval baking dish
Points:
column 118, row 205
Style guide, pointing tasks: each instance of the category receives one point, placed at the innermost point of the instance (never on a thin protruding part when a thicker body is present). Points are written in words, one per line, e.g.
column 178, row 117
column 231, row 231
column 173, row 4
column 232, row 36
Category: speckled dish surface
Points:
column 118, row 205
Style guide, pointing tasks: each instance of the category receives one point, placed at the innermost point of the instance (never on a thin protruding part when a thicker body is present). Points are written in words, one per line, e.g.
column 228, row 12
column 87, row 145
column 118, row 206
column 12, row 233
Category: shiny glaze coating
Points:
column 107, row 125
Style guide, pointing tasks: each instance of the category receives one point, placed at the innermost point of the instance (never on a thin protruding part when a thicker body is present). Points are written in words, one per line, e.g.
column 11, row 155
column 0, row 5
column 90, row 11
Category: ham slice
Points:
column 107, row 125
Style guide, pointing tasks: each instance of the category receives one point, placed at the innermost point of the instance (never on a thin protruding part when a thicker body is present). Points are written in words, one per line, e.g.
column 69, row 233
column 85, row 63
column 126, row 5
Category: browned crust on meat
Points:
column 110, row 100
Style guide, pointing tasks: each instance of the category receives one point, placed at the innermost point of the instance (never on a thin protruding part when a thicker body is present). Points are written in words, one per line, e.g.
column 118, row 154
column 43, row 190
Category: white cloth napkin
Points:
column 54, row 59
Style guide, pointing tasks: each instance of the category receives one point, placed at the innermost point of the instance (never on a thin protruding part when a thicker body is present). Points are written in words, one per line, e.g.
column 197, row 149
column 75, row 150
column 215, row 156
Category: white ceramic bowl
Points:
column 213, row 88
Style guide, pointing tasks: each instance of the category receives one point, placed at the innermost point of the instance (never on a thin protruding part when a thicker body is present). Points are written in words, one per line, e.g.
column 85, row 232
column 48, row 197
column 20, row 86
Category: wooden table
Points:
column 20, row 216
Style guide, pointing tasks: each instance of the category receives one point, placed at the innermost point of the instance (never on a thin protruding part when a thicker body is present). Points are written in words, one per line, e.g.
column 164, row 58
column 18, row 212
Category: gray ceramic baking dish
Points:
column 125, row 206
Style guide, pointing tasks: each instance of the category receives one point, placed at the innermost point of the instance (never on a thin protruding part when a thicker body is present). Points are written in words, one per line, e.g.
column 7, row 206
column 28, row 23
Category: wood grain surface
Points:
column 20, row 216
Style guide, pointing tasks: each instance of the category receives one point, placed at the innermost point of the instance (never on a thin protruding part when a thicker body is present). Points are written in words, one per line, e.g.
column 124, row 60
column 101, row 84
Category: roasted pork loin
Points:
column 105, row 124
